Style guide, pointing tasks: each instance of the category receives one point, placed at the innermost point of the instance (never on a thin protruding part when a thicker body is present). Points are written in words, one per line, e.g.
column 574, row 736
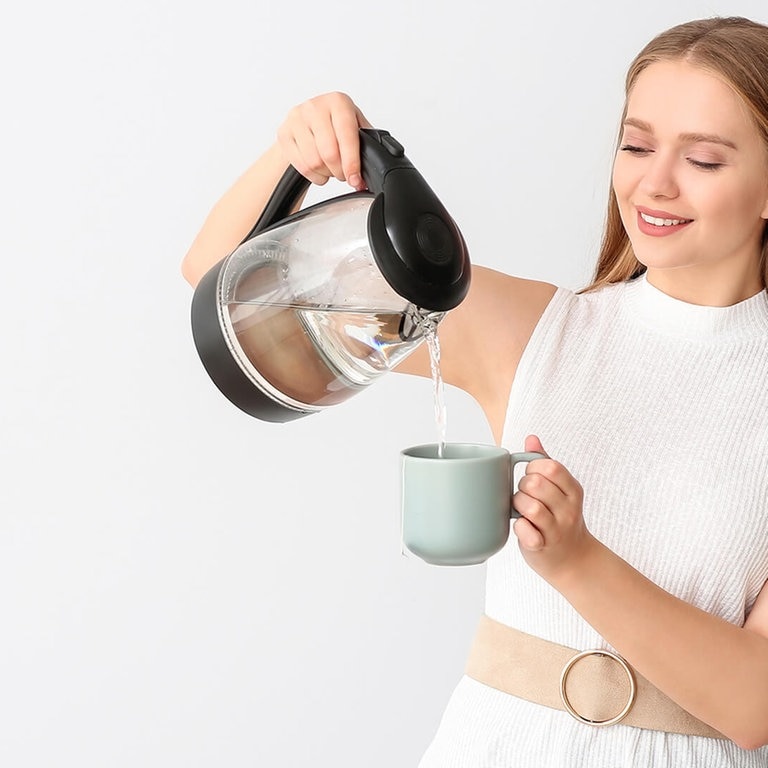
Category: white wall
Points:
column 180, row 584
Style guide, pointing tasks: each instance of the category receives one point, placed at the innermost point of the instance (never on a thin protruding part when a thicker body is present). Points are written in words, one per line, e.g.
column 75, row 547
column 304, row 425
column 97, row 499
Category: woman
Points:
column 651, row 388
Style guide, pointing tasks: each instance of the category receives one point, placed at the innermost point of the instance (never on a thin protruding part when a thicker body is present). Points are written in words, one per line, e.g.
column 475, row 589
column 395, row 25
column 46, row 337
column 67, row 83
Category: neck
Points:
column 705, row 288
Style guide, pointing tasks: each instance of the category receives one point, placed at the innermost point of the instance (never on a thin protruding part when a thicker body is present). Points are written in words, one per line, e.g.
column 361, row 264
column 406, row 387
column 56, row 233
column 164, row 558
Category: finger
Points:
column 348, row 135
column 307, row 156
column 528, row 536
column 327, row 146
column 298, row 146
column 558, row 475
column 536, row 513
column 334, row 120
column 346, row 125
column 539, row 487
column 309, row 141
column 551, row 469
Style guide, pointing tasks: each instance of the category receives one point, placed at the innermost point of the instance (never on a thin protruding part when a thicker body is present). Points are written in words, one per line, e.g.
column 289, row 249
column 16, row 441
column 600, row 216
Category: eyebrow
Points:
column 688, row 138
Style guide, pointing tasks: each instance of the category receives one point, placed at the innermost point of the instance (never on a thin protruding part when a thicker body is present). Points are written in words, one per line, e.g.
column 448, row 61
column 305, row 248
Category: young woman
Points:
column 651, row 388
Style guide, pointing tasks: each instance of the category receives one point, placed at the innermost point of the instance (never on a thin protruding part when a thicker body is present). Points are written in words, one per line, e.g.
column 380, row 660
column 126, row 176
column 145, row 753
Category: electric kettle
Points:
column 314, row 306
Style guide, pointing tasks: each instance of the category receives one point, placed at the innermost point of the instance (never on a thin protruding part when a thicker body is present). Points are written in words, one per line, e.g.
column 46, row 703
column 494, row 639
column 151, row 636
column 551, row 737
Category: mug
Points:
column 456, row 509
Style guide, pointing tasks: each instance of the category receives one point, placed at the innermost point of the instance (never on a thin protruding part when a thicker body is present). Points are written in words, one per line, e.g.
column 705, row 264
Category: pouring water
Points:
column 429, row 327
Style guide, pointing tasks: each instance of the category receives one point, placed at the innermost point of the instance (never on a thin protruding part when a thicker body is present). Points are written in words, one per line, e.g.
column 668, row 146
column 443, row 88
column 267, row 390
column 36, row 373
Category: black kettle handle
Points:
column 379, row 154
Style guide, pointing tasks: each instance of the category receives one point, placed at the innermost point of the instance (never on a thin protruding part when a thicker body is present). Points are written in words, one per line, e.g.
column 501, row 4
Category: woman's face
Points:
column 691, row 181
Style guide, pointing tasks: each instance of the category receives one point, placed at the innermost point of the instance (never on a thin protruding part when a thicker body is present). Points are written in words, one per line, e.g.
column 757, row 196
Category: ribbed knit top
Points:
column 660, row 409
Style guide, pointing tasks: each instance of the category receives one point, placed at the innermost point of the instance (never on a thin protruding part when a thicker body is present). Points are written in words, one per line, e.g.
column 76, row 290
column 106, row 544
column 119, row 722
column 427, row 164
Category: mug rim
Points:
column 428, row 451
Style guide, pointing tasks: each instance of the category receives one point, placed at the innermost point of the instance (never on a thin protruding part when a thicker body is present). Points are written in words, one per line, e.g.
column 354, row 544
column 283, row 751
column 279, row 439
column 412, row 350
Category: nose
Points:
column 659, row 178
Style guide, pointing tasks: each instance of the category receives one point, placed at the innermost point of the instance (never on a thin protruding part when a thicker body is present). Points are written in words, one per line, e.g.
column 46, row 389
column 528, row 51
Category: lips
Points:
column 660, row 223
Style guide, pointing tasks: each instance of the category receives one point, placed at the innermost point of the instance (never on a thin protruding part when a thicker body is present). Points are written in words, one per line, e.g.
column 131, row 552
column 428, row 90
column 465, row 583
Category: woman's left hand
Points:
column 551, row 533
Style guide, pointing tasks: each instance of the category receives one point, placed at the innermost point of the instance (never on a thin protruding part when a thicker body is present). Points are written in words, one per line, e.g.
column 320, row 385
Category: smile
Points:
column 663, row 222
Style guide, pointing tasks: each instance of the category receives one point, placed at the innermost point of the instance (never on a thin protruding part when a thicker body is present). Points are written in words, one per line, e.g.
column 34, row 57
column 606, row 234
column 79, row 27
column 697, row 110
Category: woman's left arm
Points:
column 716, row 671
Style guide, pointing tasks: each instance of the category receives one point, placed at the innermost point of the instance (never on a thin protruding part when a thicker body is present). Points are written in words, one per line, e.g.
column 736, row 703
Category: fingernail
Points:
column 355, row 180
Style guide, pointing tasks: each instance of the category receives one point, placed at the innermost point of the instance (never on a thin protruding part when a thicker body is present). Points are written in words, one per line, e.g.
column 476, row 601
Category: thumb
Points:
column 532, row 443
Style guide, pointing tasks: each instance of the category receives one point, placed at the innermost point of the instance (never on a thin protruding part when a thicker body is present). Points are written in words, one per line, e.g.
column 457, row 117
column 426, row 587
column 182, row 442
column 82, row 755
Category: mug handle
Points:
column 519, row 458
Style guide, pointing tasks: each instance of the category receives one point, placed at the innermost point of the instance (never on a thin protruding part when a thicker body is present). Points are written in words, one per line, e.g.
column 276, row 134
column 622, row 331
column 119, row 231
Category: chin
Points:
column 652, row 258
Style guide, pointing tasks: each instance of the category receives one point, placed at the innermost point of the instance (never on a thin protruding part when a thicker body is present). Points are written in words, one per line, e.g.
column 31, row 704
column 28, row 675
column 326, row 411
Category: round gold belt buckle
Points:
column 623, row 664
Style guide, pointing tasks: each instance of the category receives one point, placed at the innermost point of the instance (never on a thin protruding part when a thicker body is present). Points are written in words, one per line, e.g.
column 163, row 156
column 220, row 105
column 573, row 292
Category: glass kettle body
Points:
column 314, row 306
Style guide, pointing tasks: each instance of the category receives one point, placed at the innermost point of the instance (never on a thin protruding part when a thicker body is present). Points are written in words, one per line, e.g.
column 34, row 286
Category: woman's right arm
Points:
column 481, row 340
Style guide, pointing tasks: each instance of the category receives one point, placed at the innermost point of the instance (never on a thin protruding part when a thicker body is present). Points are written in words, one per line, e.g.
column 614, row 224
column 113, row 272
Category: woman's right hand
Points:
column 319, row 137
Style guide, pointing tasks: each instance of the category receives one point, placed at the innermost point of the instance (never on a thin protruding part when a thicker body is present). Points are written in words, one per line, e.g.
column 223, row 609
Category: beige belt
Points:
column 596, row 687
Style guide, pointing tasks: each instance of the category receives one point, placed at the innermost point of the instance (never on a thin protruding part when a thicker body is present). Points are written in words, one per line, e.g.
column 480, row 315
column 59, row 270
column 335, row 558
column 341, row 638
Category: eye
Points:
column 704, row 166
column 634, row 150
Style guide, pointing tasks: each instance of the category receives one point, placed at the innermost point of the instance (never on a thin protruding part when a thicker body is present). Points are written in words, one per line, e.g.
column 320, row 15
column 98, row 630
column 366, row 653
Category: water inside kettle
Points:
column 320, row 356
column 307, row 313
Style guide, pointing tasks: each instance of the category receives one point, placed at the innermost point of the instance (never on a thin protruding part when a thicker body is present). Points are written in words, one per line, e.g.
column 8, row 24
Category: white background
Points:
column 180, row 584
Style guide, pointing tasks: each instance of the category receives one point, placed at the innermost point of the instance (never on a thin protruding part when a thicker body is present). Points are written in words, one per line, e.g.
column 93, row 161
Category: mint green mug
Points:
column 456, row 509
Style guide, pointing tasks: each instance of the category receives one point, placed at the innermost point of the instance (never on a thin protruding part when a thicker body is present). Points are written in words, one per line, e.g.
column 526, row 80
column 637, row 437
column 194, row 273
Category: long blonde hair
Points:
column 733, row 48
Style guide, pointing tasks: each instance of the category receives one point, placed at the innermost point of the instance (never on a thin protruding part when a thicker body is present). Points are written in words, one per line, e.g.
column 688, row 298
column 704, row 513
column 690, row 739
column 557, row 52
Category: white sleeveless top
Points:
column 659, row 408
